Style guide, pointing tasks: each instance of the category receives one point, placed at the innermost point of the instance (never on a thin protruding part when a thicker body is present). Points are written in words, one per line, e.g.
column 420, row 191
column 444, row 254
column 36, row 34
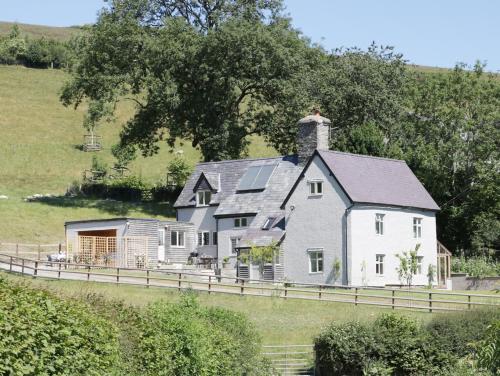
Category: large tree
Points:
column 212, row 72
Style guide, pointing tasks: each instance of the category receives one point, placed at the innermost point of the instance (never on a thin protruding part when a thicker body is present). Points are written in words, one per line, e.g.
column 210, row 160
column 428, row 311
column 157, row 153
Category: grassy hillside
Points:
column 39, row 153
column 38, row 31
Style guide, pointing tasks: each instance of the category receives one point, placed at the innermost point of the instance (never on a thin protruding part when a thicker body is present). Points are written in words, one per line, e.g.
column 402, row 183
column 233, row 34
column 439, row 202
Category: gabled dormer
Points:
column 206, row 186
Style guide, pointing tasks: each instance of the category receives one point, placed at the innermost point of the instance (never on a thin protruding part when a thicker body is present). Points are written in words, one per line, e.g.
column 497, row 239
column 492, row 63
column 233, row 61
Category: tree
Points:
column 264, row 254
column 408, row 265
column 450, row 138
column 213, row 81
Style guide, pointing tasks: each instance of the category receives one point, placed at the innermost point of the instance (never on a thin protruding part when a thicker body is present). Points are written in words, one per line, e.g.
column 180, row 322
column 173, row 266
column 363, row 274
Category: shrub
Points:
column 453, row 332
column 186, row 339
column 129, row 188
column 479, row 266
column 488, row 349
column 41, row 334
column 165, row 193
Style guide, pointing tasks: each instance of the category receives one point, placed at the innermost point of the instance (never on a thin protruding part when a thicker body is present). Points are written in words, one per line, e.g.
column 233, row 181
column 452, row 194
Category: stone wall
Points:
column 461, row 281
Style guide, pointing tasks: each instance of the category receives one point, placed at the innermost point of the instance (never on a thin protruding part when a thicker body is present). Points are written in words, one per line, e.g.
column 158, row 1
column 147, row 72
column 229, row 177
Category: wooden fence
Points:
column 32, row 251
column 291, row 359
column 426, row 300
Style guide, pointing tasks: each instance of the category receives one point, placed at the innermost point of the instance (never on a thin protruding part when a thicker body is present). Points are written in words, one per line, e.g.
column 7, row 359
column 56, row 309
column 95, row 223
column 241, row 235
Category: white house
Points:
column 320, row 206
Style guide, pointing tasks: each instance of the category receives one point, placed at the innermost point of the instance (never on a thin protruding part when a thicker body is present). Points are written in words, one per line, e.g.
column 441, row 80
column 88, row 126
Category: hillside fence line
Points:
column 393, row 298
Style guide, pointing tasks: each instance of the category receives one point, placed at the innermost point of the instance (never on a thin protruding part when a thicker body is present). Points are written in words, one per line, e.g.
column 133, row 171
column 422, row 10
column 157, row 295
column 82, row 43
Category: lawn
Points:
column 40, row 153
column 279, row 321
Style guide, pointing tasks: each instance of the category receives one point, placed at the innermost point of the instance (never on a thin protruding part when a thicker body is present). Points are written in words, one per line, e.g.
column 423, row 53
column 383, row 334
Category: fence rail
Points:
column 426, row 300
column 291, row 359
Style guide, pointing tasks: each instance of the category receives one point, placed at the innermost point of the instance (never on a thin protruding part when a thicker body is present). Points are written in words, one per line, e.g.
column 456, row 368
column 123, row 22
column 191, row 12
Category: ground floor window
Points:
column 315, row 260
column 204, row 238
column 235, row 241
column 379, row 264
column 420, row 260
column 177, row 238
column 214, row 238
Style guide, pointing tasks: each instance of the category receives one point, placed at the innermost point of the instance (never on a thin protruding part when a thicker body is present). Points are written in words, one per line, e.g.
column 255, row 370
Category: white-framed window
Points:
column 241, row 222
column 177, row 239
column 417, row 228
column 203, row 198
column 214, row 238
column 420, row 261
column 379, row 264
column 161, row 237
column 379, row 224
column 315, row 187
column 203, row 238
column 315, row 260
column 235, row 241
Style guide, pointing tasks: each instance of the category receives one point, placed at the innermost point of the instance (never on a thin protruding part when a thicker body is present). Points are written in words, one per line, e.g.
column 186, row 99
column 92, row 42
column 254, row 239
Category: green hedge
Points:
column 399, row 345
column 41, row 334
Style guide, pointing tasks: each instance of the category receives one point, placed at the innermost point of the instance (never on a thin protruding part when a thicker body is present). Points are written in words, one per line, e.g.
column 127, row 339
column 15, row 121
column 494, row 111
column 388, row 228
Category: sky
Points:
column 427, row 32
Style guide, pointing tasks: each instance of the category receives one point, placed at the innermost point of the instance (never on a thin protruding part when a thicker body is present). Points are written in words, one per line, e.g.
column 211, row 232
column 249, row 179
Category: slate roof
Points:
column 374, row 180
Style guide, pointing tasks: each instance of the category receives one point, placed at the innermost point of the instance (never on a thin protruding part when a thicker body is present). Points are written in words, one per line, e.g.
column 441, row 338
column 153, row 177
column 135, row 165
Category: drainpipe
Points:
column 347, row 211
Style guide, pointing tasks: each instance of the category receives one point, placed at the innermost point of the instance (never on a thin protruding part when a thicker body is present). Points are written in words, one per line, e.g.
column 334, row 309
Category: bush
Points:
column 478, row 267
column 186, row 339
column 454, row 332
column 41, row 334
column 164, row 193
column 130, row 188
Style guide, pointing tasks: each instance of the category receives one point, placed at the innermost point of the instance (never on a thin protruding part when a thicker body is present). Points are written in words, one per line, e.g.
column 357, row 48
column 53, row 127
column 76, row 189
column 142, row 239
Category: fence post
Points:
column 35, row 272
column 10, row 264
column 355, row 296
column 39, row 252
column 17, row 249
column 242, row 288
column 430, row 302
column 59, row 272
column 117, row 275
column 286, row 290
column 88, row 273
column 147, row 278
column 209, row 284
column 319, row 294
column 180, row 281
column 393, row 300
column 22, row 266
column 469, row 300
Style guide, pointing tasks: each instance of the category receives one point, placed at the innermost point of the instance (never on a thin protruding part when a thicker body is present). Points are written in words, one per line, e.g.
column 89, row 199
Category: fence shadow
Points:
column 114, row 207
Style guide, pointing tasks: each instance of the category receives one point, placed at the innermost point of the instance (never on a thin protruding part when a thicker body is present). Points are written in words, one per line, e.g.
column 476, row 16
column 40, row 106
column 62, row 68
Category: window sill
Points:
column 315, row 272
column 315, row 195
column 178, row 246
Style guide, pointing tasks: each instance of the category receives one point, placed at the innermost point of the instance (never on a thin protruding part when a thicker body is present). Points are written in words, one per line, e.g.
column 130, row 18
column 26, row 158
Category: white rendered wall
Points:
column 315, row 222
column 203, row 220
column 365, row 244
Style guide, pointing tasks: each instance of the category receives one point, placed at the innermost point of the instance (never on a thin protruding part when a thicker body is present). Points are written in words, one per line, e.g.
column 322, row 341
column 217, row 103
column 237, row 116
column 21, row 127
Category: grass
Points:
column 278, row 321
column 38, row 31
column 39, row 150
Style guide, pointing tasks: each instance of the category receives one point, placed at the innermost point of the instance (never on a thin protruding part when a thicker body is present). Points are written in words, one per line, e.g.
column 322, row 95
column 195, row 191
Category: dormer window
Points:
column 241, row 222
column 203, row 198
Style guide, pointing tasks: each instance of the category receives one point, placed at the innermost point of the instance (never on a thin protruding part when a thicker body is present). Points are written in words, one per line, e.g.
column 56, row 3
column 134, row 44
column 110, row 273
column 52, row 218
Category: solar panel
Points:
column 256, row 177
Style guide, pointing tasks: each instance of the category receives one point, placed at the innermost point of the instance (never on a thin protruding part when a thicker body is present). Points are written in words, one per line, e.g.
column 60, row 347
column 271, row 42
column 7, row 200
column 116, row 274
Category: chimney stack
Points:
column 314, row 133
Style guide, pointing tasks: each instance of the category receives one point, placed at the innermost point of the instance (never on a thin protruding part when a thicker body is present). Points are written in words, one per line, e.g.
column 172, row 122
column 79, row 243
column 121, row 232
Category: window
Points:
column 417, row 228
column 379, row 264
column 161, row 237
column 315, row 261
column 204, row 238
column 268, row 223
column 203, row 198
column 420, row 260
column 177, row 239
column 241, row 222
column 214, row 238
column 315, row 188
column 234, row 243
column 379, row 224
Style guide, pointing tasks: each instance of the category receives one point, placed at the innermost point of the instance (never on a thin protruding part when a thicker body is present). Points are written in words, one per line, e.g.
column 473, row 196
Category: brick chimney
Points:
column 314, row 133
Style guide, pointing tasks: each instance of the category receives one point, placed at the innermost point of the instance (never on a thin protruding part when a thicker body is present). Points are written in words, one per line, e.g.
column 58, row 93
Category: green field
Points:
column 38, row 31
column 278, row 321
column 40, row 153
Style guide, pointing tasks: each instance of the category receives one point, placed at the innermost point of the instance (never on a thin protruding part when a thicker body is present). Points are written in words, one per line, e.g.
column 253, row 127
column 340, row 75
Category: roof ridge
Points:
column 363, row 156
column 243, row 160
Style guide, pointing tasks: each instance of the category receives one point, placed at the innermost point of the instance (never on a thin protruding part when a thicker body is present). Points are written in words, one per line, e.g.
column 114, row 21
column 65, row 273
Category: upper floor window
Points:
column 203, row 198
column 315, row 187
column 241, row 222
column 417, row 228
column 315, row 260
column 379, row 224
column 203, row 238
column 177, row 239
column 379, row 264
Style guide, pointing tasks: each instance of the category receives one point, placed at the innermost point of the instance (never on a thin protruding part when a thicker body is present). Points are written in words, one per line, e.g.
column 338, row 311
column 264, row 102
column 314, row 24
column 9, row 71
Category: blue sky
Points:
column 427, row 32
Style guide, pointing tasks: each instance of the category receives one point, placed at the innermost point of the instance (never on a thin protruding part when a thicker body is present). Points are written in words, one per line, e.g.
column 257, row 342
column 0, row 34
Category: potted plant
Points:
column 225, row 262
